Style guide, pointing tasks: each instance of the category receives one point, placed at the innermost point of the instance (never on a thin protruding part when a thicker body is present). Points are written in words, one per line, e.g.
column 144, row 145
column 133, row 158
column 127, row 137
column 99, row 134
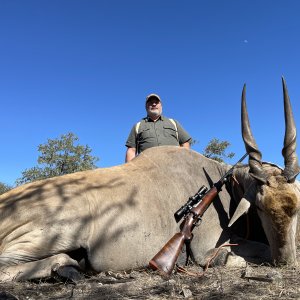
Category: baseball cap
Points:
column 152, row 96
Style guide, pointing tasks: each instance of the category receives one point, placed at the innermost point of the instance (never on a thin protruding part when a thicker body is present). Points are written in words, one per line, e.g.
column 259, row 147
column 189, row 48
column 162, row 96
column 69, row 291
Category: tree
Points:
column 216, row 150
column 58, row 157
column 4, row 188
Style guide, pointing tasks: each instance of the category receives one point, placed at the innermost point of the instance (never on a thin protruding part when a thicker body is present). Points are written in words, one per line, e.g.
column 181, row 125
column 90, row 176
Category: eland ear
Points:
column 242, row 208
column 245, row 203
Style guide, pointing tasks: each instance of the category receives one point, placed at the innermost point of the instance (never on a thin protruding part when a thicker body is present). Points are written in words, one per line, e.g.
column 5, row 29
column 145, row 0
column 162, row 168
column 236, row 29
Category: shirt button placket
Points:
column 158, row 136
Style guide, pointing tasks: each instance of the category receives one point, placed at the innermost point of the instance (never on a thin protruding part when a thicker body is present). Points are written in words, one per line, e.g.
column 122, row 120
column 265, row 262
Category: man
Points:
column 155, row 130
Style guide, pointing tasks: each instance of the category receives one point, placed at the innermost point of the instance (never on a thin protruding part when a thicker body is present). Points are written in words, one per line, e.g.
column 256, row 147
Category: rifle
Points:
column 166, row 258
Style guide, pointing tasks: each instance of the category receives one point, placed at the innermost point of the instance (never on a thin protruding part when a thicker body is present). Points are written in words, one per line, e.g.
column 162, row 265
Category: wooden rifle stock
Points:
column 166, row 258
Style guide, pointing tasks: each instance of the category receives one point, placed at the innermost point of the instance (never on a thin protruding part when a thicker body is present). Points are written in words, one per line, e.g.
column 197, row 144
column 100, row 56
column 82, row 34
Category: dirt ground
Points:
column 249, row 282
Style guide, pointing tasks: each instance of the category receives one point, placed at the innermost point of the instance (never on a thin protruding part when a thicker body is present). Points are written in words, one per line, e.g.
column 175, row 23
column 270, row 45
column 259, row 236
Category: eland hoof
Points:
column 70, row 273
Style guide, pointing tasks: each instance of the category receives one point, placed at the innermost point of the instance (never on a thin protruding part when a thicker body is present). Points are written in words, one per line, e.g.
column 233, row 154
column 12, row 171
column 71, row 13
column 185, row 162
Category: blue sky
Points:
column 87, row 66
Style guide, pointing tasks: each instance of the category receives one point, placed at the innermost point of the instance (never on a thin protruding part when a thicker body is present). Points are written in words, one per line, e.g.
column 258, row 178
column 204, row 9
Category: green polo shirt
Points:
column 159, row 133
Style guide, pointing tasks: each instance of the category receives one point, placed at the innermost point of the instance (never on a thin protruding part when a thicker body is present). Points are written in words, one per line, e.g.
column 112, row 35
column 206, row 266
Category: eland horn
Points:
column 255, row 164
column 291, row 169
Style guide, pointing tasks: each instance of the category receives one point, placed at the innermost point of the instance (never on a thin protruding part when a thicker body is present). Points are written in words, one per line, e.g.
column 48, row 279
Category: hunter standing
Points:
column 155, row 130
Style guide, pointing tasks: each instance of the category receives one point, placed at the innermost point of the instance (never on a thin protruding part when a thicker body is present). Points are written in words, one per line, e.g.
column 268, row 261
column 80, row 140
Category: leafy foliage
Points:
column 216, row 150
column 59, row 157
column 4, row 188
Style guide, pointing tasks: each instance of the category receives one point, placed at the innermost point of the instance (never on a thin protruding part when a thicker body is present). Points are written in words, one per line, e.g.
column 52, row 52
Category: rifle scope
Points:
column 185, row 209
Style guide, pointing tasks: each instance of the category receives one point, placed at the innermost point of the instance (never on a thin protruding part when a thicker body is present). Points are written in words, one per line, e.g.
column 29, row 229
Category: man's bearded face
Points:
column 154, row 108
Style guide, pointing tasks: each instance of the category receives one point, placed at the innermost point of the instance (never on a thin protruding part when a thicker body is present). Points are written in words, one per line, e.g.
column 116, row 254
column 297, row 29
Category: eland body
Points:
column 118, row 218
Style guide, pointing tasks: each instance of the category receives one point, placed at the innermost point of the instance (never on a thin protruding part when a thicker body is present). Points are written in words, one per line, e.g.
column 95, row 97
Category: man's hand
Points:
column 186, row 145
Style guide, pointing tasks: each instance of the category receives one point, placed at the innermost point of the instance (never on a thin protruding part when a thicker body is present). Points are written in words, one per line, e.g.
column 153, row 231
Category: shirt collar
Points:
column 148, row 119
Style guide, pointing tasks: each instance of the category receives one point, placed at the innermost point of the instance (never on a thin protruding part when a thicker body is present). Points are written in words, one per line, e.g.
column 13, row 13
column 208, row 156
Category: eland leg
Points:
column 61, row 264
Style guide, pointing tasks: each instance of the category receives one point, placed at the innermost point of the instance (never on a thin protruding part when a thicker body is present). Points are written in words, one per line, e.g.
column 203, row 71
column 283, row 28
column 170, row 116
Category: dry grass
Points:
column 252, row 282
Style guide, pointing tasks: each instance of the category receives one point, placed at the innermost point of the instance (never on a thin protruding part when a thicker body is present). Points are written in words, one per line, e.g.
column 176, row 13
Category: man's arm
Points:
column 131, row 145
column 184, row 138
column 130, row 154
